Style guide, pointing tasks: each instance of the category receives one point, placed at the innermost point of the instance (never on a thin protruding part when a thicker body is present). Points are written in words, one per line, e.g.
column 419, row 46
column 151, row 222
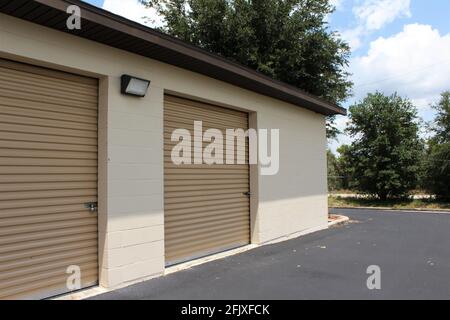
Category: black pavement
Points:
column 412, row 250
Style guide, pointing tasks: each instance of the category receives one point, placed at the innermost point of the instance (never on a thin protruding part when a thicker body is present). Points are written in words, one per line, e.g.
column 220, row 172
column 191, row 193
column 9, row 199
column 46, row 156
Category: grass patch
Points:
column 428, row 204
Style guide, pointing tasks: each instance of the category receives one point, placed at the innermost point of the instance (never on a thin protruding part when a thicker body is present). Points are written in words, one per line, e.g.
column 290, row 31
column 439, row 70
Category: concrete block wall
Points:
column 135, row 226
column 299, row 202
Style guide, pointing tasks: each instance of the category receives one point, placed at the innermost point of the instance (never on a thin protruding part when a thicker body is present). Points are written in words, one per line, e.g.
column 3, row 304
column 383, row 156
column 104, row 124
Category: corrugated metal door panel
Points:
column 205, row 206
column 48, row 171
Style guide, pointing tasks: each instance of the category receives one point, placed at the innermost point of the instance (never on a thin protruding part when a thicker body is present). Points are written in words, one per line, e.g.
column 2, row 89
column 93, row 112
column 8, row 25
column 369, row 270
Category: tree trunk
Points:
column 382, row 196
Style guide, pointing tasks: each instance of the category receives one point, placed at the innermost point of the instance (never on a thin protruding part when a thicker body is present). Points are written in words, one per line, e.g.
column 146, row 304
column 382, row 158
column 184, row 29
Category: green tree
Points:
column 437, row 171
column 436, row 163
column 288, row 40
column 333, row 176
column 345, row 166
column 442, row 121
column 386, row 150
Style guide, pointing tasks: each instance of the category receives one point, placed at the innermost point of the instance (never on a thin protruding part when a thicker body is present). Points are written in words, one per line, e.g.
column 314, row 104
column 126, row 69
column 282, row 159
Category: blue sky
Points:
column 432, row 12
column 98, row 3
column 397, row 46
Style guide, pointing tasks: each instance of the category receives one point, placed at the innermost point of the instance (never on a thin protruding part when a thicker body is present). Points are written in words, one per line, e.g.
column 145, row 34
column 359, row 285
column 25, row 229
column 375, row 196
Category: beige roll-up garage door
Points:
column 206, row 207
column 48, row 173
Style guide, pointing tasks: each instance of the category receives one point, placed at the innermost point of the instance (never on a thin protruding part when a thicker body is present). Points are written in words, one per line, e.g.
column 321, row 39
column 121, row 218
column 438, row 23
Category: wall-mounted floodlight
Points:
column 134, row 86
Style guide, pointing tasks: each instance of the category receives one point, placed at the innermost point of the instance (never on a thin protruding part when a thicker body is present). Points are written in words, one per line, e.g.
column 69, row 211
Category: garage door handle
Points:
column 248, row 194
column 92, row 206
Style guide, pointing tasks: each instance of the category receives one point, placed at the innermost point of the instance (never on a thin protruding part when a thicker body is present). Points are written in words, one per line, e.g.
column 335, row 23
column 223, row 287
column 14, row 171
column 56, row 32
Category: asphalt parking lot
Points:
column 412, row 250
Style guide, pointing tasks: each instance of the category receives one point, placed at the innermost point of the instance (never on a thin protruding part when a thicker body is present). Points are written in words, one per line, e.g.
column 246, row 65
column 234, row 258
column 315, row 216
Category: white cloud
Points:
column 353, row 37
column 414, row 62
column 373, row 15
column 133, row 10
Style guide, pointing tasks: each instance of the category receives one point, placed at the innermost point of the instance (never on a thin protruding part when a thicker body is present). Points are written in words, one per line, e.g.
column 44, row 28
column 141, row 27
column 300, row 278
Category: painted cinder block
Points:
column 132, row 254
column 132, row 237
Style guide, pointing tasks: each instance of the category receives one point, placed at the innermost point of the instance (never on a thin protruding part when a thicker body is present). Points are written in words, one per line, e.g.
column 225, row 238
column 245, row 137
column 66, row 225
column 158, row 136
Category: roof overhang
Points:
column 113, row 30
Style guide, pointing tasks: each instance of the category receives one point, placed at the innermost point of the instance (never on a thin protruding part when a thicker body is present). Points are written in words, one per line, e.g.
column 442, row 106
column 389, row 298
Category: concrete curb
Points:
column 423, row 210
column 210, row 258
column 341, row 220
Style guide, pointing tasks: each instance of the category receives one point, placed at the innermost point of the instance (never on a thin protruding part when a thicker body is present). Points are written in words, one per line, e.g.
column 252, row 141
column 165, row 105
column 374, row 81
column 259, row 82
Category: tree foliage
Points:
column 385, row 155
column 339, row 169
column 436, row 169
column 442, row 121
column 333, row 175
column 345, row 168
column 288, row 40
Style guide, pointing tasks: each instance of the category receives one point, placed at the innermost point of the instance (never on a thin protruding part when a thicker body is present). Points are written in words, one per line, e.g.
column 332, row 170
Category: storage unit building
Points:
column 70, row 142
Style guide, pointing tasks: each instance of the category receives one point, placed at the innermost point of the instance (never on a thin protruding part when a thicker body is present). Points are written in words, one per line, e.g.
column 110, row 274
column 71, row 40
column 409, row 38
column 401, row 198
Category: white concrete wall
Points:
column 292, row 202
